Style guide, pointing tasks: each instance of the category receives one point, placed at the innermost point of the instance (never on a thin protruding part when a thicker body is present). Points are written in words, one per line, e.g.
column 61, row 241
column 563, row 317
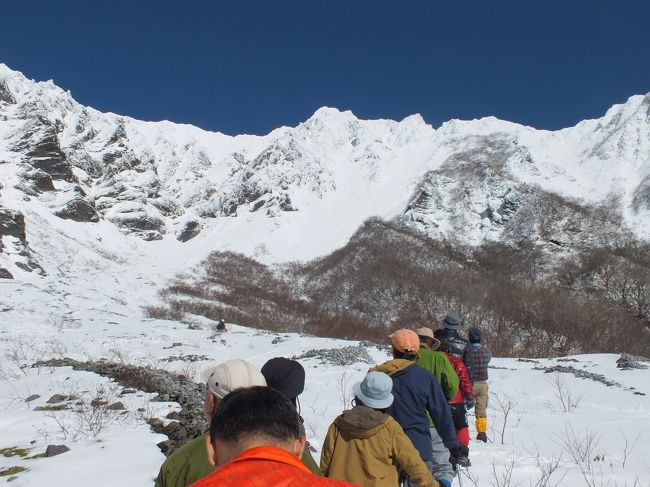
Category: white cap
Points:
column 233, row 374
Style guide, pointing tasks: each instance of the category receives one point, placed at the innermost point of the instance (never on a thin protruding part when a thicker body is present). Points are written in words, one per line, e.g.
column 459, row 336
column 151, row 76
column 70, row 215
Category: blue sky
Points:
column 251, row 66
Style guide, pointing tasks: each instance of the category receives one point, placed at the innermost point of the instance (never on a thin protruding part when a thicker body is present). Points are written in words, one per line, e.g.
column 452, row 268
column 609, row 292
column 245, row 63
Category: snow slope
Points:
column 532, row 436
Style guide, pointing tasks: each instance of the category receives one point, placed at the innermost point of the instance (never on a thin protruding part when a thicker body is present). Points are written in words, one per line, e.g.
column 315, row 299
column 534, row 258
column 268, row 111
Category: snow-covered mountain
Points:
column 300, row 192
column 98, row 210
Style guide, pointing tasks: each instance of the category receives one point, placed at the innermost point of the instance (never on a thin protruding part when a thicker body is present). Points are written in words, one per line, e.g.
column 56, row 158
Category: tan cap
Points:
column 231, row 375
column 424, row 332
column 428, row 332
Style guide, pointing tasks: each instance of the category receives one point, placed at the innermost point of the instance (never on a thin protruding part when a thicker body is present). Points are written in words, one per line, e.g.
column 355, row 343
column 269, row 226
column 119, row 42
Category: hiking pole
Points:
column 459, row 475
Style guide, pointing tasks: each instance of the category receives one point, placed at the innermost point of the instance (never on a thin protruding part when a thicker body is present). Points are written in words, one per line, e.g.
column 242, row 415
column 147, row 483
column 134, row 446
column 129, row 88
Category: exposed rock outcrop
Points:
column 79, row 210
column 189, row 230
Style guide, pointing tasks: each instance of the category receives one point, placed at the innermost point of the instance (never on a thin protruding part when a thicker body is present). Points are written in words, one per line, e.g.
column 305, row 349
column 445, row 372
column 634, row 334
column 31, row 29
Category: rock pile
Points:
column 339, row 356
column 186, row 424
column 627, row 362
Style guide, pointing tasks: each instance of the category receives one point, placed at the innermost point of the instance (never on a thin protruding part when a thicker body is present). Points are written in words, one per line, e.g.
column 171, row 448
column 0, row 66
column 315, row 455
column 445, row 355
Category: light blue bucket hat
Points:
column 375, row 390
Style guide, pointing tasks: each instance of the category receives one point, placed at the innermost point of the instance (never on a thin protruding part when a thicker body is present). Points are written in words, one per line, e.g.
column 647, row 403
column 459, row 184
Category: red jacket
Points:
column 265, row 466
column 465, row 390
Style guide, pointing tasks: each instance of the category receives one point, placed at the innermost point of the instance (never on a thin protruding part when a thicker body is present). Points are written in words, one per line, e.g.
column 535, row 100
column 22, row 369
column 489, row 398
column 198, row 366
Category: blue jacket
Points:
column 417, row 391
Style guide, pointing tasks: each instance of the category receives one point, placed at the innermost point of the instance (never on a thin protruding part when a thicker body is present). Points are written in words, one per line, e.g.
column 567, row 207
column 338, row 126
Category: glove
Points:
column 458, row 456
column 444, row 482
column 469, row 403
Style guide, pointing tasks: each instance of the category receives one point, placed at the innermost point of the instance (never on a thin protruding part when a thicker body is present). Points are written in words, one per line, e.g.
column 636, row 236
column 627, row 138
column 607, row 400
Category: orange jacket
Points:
column 265, row 466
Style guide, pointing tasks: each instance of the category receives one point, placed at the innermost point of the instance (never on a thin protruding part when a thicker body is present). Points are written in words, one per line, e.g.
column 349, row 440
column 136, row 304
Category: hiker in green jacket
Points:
column 438, row 363
column 192, row 461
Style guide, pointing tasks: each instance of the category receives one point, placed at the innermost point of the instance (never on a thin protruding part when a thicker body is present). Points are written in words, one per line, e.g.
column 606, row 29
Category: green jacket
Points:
column 190, row 463
column 439, row 364
column 186, row 465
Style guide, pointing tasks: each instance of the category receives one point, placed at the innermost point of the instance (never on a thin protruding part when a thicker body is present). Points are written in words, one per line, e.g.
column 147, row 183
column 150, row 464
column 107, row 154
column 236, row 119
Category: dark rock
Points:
column 116, row 406
column 172, row 428
column 5, row 274
column 190, row 230
column 96, row 403
column 33, row 397
column 12, row 223
column 127, row 391
column 175, row 415
column 41, row 181
column 5, row 94
column 46, row 154
column 167, row 447
column 627, row 362
column 54, row 450
column 79, row 210
column 56, row 398
column 181, row 434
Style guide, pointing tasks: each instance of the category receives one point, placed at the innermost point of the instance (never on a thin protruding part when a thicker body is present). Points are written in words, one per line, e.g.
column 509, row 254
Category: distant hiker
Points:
column 438, row 364
column 463, row 400
column 476, row 358
column 255, row 440
column 221, row 326
column 193, row 460
column 449, row 334
column 366, row 445
column 288, row 378
column 417, row 391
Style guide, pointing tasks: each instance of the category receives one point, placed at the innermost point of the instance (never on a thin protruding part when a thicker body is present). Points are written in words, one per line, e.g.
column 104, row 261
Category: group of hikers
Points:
column 407, row 425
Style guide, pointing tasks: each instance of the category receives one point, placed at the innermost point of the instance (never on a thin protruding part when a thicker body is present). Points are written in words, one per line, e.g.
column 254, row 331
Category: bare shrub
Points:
column 89, row 416
column 389, row 276
column 502, row 476
column 584, row 451
column 567, row 400
column 505, row 405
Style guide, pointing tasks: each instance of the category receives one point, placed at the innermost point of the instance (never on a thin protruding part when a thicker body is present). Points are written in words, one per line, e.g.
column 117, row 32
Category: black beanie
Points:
column 285, row 376
column 474, row 334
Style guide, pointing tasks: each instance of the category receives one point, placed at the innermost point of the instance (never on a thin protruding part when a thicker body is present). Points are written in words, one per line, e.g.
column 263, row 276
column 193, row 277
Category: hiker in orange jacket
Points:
column 256, row 443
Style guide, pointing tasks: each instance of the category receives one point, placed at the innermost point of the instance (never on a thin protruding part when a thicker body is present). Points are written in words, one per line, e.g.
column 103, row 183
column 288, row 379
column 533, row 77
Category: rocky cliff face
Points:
column 302, row 191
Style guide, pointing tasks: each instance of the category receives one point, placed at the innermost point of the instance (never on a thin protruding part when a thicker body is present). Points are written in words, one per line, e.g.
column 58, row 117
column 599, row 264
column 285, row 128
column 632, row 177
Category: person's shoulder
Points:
column 188, row 450
column 420, row 372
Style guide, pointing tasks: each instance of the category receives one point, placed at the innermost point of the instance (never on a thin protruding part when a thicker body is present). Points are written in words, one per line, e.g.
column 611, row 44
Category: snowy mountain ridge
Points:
column 300, row 192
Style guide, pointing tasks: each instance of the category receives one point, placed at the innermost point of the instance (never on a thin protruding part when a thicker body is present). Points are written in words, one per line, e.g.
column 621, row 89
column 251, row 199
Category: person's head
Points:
column 405, row 344
column 427, row 340
column 251, row 417
column 444, row 347
column 374, row 391
column 224, row 378
column 285, row 376
column 474, row 334
column 451, row 321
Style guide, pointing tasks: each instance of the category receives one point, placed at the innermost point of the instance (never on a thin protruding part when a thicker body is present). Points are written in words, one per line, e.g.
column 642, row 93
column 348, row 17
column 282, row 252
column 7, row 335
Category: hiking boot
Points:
column 482, row 436
column 463, row 461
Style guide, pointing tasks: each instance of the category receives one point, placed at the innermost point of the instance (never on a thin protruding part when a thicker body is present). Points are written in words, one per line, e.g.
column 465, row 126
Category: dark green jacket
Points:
column 190, row 463
column 186, row 465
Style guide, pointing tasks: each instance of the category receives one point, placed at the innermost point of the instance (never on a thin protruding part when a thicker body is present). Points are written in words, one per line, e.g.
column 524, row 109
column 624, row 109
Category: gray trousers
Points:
column 439, row 466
